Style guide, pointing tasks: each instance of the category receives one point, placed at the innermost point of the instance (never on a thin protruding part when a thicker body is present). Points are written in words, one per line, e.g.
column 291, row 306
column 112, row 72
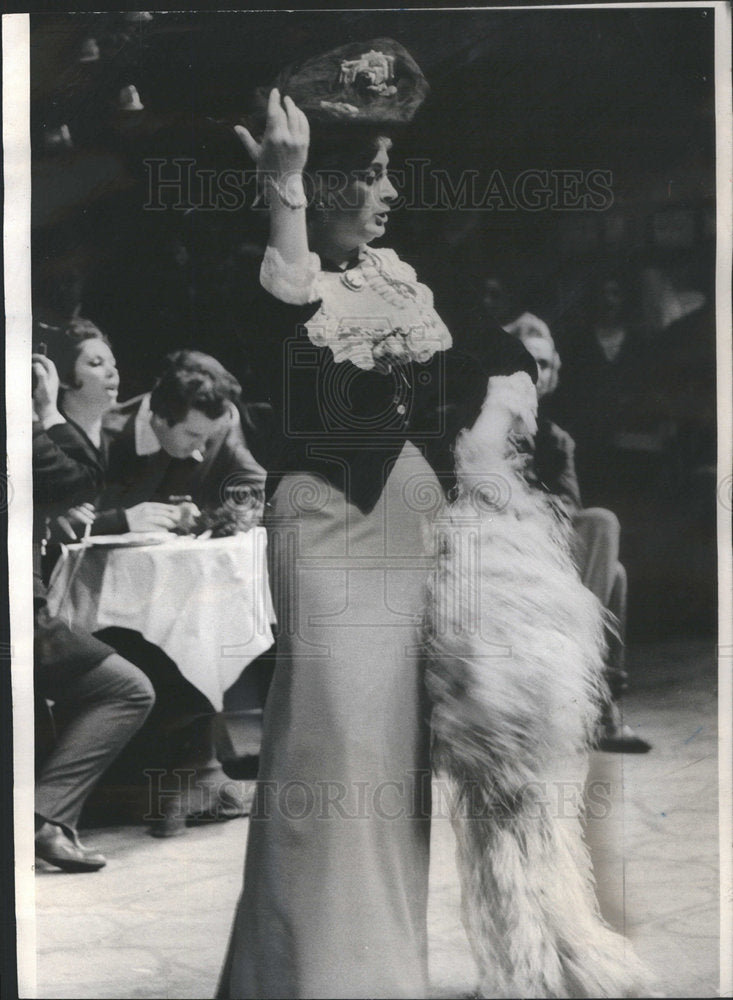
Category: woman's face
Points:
column 95, row 375
column 361, row 209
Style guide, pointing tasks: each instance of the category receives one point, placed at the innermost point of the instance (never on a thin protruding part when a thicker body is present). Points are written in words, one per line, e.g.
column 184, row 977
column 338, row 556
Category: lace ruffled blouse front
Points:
column 375, row 314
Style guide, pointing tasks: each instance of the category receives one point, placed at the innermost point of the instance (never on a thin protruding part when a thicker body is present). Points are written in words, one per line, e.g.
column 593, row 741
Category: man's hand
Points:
column 151, row 516
column 74, row 524
column 81, row 517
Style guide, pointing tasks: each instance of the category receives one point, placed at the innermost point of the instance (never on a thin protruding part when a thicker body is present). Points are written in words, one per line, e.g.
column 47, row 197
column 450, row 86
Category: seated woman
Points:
column 100, row 699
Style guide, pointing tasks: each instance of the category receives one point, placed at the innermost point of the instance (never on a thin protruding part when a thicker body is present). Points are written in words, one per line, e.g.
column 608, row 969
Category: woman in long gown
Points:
column 368, row 396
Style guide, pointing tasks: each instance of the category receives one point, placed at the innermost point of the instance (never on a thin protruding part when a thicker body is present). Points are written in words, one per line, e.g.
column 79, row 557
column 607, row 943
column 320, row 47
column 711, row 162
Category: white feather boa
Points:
column 516, row 678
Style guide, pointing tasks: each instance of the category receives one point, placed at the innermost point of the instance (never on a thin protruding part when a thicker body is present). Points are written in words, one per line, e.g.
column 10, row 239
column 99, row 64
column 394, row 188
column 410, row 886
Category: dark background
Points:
column 625, row 91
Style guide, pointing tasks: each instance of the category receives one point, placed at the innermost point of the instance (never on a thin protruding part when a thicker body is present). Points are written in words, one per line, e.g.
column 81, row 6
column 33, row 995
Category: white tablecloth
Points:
column 205, row 603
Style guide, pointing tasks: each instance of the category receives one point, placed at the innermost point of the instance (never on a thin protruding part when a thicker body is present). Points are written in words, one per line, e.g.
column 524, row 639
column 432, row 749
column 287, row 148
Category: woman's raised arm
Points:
column 280, row 159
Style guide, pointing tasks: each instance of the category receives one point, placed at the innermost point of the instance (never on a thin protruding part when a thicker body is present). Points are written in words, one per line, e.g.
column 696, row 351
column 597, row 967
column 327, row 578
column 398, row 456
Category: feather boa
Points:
column 516, row 678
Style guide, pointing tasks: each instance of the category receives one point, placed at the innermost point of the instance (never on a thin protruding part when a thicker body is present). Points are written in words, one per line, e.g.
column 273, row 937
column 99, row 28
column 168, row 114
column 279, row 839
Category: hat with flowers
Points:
column 376, row 82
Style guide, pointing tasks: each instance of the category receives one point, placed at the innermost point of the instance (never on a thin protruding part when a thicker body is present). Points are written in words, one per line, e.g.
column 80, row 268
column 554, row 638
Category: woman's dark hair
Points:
column 345, row 149
column 336, row 154
column 63, row 346
column 192, row 380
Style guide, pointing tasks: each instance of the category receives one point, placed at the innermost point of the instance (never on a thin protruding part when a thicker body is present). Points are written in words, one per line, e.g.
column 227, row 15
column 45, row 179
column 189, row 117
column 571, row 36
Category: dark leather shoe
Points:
column 56, row 847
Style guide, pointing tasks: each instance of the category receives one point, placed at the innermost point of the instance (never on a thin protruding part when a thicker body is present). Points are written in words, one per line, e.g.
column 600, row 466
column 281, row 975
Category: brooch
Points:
column 354, row 280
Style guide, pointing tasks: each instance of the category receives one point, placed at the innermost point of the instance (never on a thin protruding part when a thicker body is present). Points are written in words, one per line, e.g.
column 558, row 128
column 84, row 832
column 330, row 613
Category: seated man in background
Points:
column 100, row 700
column 597, row 531
column 183, row 439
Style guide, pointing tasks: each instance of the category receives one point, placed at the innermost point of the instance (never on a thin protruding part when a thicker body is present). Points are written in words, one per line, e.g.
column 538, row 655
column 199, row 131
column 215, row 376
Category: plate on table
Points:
column 129, row 540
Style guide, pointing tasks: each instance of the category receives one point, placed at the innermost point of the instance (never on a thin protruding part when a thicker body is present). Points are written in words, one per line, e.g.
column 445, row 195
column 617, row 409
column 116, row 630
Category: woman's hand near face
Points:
column 45, row 394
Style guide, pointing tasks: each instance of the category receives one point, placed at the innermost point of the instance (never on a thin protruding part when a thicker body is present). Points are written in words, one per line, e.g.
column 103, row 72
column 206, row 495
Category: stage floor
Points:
column 154, row 923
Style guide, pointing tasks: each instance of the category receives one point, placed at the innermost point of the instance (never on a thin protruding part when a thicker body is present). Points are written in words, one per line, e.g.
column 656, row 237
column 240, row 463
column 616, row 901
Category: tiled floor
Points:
column 154, row 923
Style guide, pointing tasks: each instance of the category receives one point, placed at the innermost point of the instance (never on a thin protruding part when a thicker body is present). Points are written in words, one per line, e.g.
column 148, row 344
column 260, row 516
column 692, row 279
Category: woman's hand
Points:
column 284, row 148
column 46, row 391
column 281, row 156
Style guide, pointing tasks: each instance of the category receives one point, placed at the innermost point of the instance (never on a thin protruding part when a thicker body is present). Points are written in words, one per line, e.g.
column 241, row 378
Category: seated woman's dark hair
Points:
column 63, row 345
column 192, row 380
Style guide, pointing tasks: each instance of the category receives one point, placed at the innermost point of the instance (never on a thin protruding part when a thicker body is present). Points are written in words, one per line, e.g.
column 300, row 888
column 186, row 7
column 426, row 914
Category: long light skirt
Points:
column 336, row 876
